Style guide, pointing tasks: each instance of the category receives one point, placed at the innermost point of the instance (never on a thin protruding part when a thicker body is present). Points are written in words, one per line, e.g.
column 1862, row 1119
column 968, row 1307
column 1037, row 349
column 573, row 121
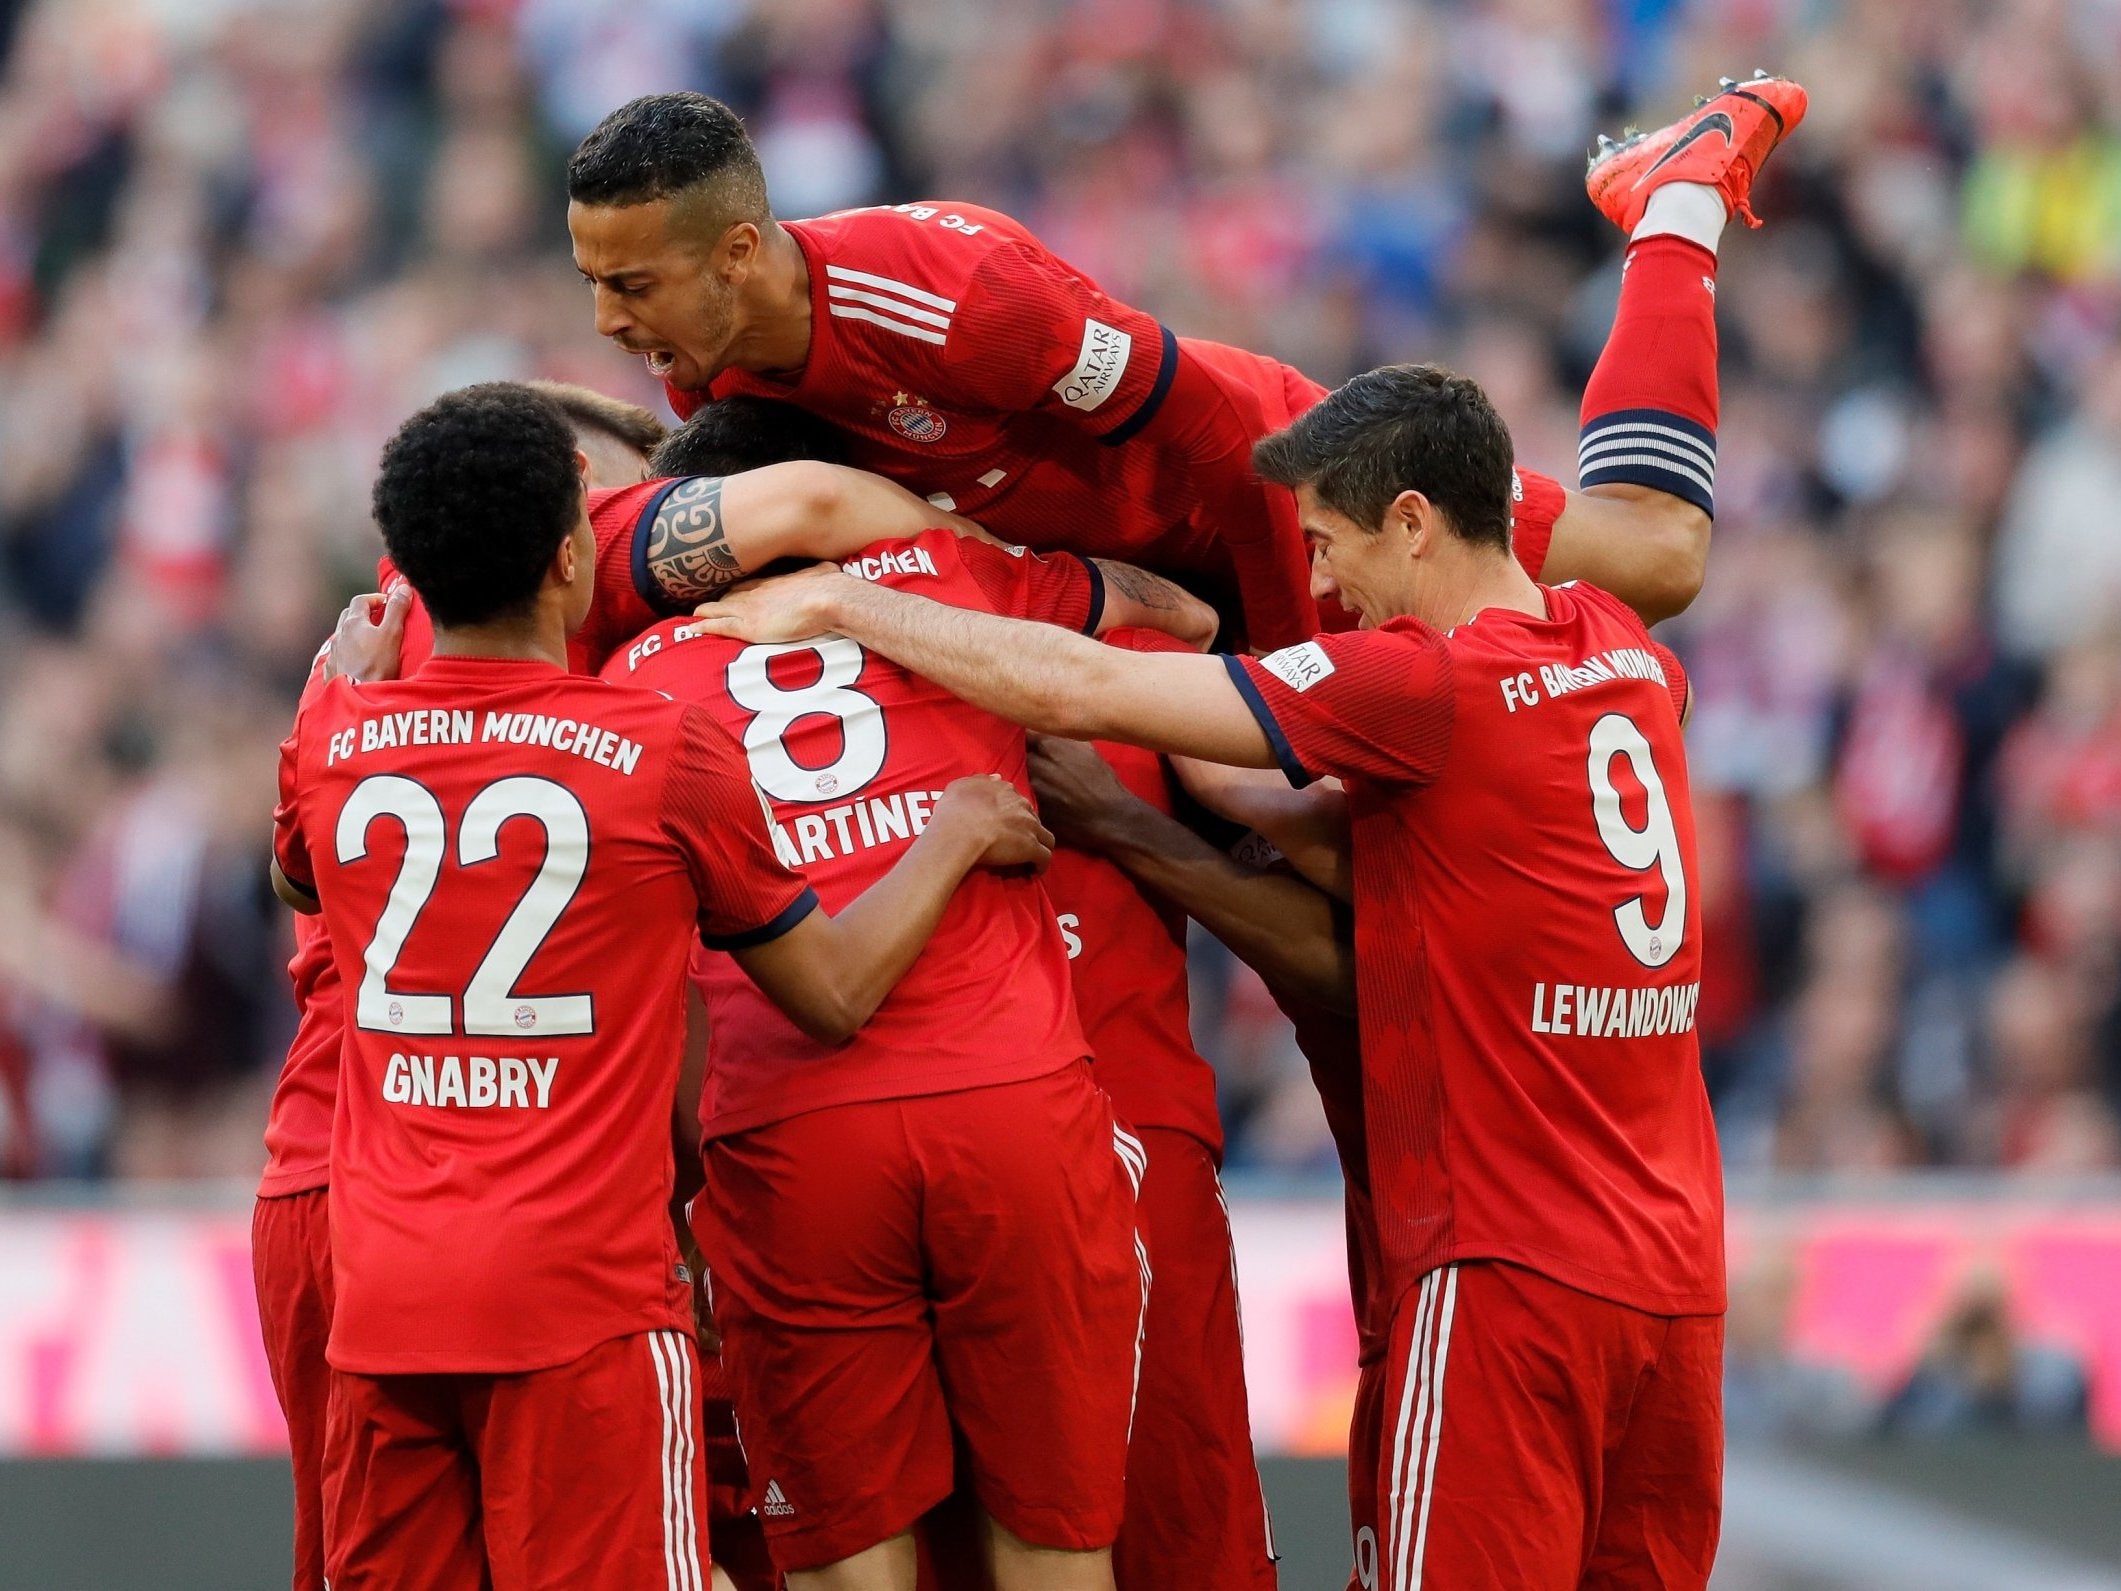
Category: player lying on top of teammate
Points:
column 963, row 358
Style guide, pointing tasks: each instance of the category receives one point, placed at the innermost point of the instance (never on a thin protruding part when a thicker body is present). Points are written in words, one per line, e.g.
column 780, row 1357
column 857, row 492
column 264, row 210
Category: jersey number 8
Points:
column 491, row 1005
column 863, row 740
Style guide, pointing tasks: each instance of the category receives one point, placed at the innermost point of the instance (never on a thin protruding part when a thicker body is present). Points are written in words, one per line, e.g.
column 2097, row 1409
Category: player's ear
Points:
column 581, row 467
column 1415, row 516
column 738, row 252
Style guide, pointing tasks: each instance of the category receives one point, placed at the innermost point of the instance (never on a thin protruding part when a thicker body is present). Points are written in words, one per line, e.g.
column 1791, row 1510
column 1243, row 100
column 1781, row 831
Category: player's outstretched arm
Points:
column 1291, row 934
column 1647, row 547
column 829, row 974
column 1037, row 675
column 1136, row 599
column 710, row 531
column 1309, row 827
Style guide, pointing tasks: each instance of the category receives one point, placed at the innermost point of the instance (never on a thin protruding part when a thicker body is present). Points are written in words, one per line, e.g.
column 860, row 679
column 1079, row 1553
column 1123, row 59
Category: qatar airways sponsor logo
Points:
column 1300, row 666
column 472, row 1082
column 1561, row 679
column 851, row 826
column 1601, row 1011
column 1099, row 368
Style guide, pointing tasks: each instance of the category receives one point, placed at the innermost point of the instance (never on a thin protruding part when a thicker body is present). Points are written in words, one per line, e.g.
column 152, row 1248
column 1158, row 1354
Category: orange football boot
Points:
column 1723, row 142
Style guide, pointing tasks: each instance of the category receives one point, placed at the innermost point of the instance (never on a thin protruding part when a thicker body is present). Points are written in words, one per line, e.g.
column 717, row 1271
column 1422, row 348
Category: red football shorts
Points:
column 1535, row 1438
column 290, row 1258
column 738, row 1543
column 584, row 1477
column 886, row 1273
column 1195, row 1512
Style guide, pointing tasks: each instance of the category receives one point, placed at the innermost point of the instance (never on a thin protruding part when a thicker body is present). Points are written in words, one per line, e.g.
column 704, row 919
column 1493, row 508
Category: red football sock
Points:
column 1649, row 410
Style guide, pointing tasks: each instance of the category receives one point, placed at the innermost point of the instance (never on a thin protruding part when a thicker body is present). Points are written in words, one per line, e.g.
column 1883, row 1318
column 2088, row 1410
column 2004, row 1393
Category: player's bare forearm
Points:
column 1294, row 936
column 1136, row 598
column 710, row 531
column 1309, row 827
column 1037, row 675
column 829, row 974
column 1647, row 547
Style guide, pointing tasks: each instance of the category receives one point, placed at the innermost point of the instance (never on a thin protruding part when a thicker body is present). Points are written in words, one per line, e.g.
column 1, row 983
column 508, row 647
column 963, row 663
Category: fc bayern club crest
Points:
column 915, row 421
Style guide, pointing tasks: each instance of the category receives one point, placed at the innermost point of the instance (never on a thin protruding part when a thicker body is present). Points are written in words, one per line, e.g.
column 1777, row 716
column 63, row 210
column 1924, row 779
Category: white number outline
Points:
column 1655, row 844
column 865, row 738
column 489, row 999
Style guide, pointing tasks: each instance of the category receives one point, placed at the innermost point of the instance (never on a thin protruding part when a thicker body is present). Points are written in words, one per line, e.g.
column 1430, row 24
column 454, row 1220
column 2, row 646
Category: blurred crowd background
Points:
column 240, row 241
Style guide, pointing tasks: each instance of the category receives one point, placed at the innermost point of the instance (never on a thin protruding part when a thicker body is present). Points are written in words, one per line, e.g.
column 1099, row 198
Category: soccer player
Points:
column 963, row 358
column 1542, row 1157
column 521, row 857
column 1195, row 1509
column 925, row 1237
column 290, row 1237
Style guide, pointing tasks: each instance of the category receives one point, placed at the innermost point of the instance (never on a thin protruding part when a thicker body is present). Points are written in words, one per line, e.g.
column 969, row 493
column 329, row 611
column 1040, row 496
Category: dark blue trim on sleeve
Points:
column 643, row 583
column 1097, row 592
column 795, row 911
column 1166, row 368
column 1284, row 753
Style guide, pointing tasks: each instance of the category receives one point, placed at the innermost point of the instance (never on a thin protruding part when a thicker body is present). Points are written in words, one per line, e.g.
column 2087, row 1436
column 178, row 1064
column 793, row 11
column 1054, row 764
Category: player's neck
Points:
column 1477, row 580
column 775, row 337
column 539, row 637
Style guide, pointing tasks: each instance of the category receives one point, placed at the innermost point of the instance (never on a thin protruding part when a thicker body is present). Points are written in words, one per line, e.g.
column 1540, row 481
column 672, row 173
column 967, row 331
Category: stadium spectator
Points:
column 240, row 241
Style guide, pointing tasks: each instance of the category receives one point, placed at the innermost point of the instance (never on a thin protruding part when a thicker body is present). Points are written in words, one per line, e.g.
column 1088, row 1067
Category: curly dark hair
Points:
column 661, row 145
column 1401, row 428
column 730, row 435
column 475, row 494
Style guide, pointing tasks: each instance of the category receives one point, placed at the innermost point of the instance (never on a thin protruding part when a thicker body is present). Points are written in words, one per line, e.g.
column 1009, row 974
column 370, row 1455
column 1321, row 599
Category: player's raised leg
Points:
column 1646, row 458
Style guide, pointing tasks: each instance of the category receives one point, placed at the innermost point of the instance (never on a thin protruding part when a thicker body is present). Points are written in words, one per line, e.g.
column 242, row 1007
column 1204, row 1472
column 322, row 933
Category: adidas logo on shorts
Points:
column 776, row 1505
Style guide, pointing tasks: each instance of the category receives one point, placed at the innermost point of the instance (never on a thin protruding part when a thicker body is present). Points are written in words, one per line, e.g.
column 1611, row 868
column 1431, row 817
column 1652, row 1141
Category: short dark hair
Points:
column 665, row 144
column 1396, row 429
column 730, row 435
column 475, row 494
column 587, row 409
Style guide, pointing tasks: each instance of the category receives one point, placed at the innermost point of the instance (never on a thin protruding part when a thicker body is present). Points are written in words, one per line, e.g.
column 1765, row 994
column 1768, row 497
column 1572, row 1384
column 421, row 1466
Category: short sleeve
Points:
column 715, row 815
column 1368, row 704
column 1031, row 333
column 625, row 601
column 1536, row 502
column 289, row 848
column 1052, row 588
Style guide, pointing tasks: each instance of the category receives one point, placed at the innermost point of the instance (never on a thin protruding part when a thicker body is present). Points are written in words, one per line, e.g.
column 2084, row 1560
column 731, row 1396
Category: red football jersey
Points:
column 850, row 752
column 966, row 361
column 1528, row 948
column 512, row 862
column 1129, row 960
column 298, row 1123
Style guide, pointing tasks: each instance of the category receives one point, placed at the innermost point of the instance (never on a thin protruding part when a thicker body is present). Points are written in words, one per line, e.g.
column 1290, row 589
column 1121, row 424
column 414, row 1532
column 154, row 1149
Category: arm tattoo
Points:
column 1138, row 585
column 688, row 553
